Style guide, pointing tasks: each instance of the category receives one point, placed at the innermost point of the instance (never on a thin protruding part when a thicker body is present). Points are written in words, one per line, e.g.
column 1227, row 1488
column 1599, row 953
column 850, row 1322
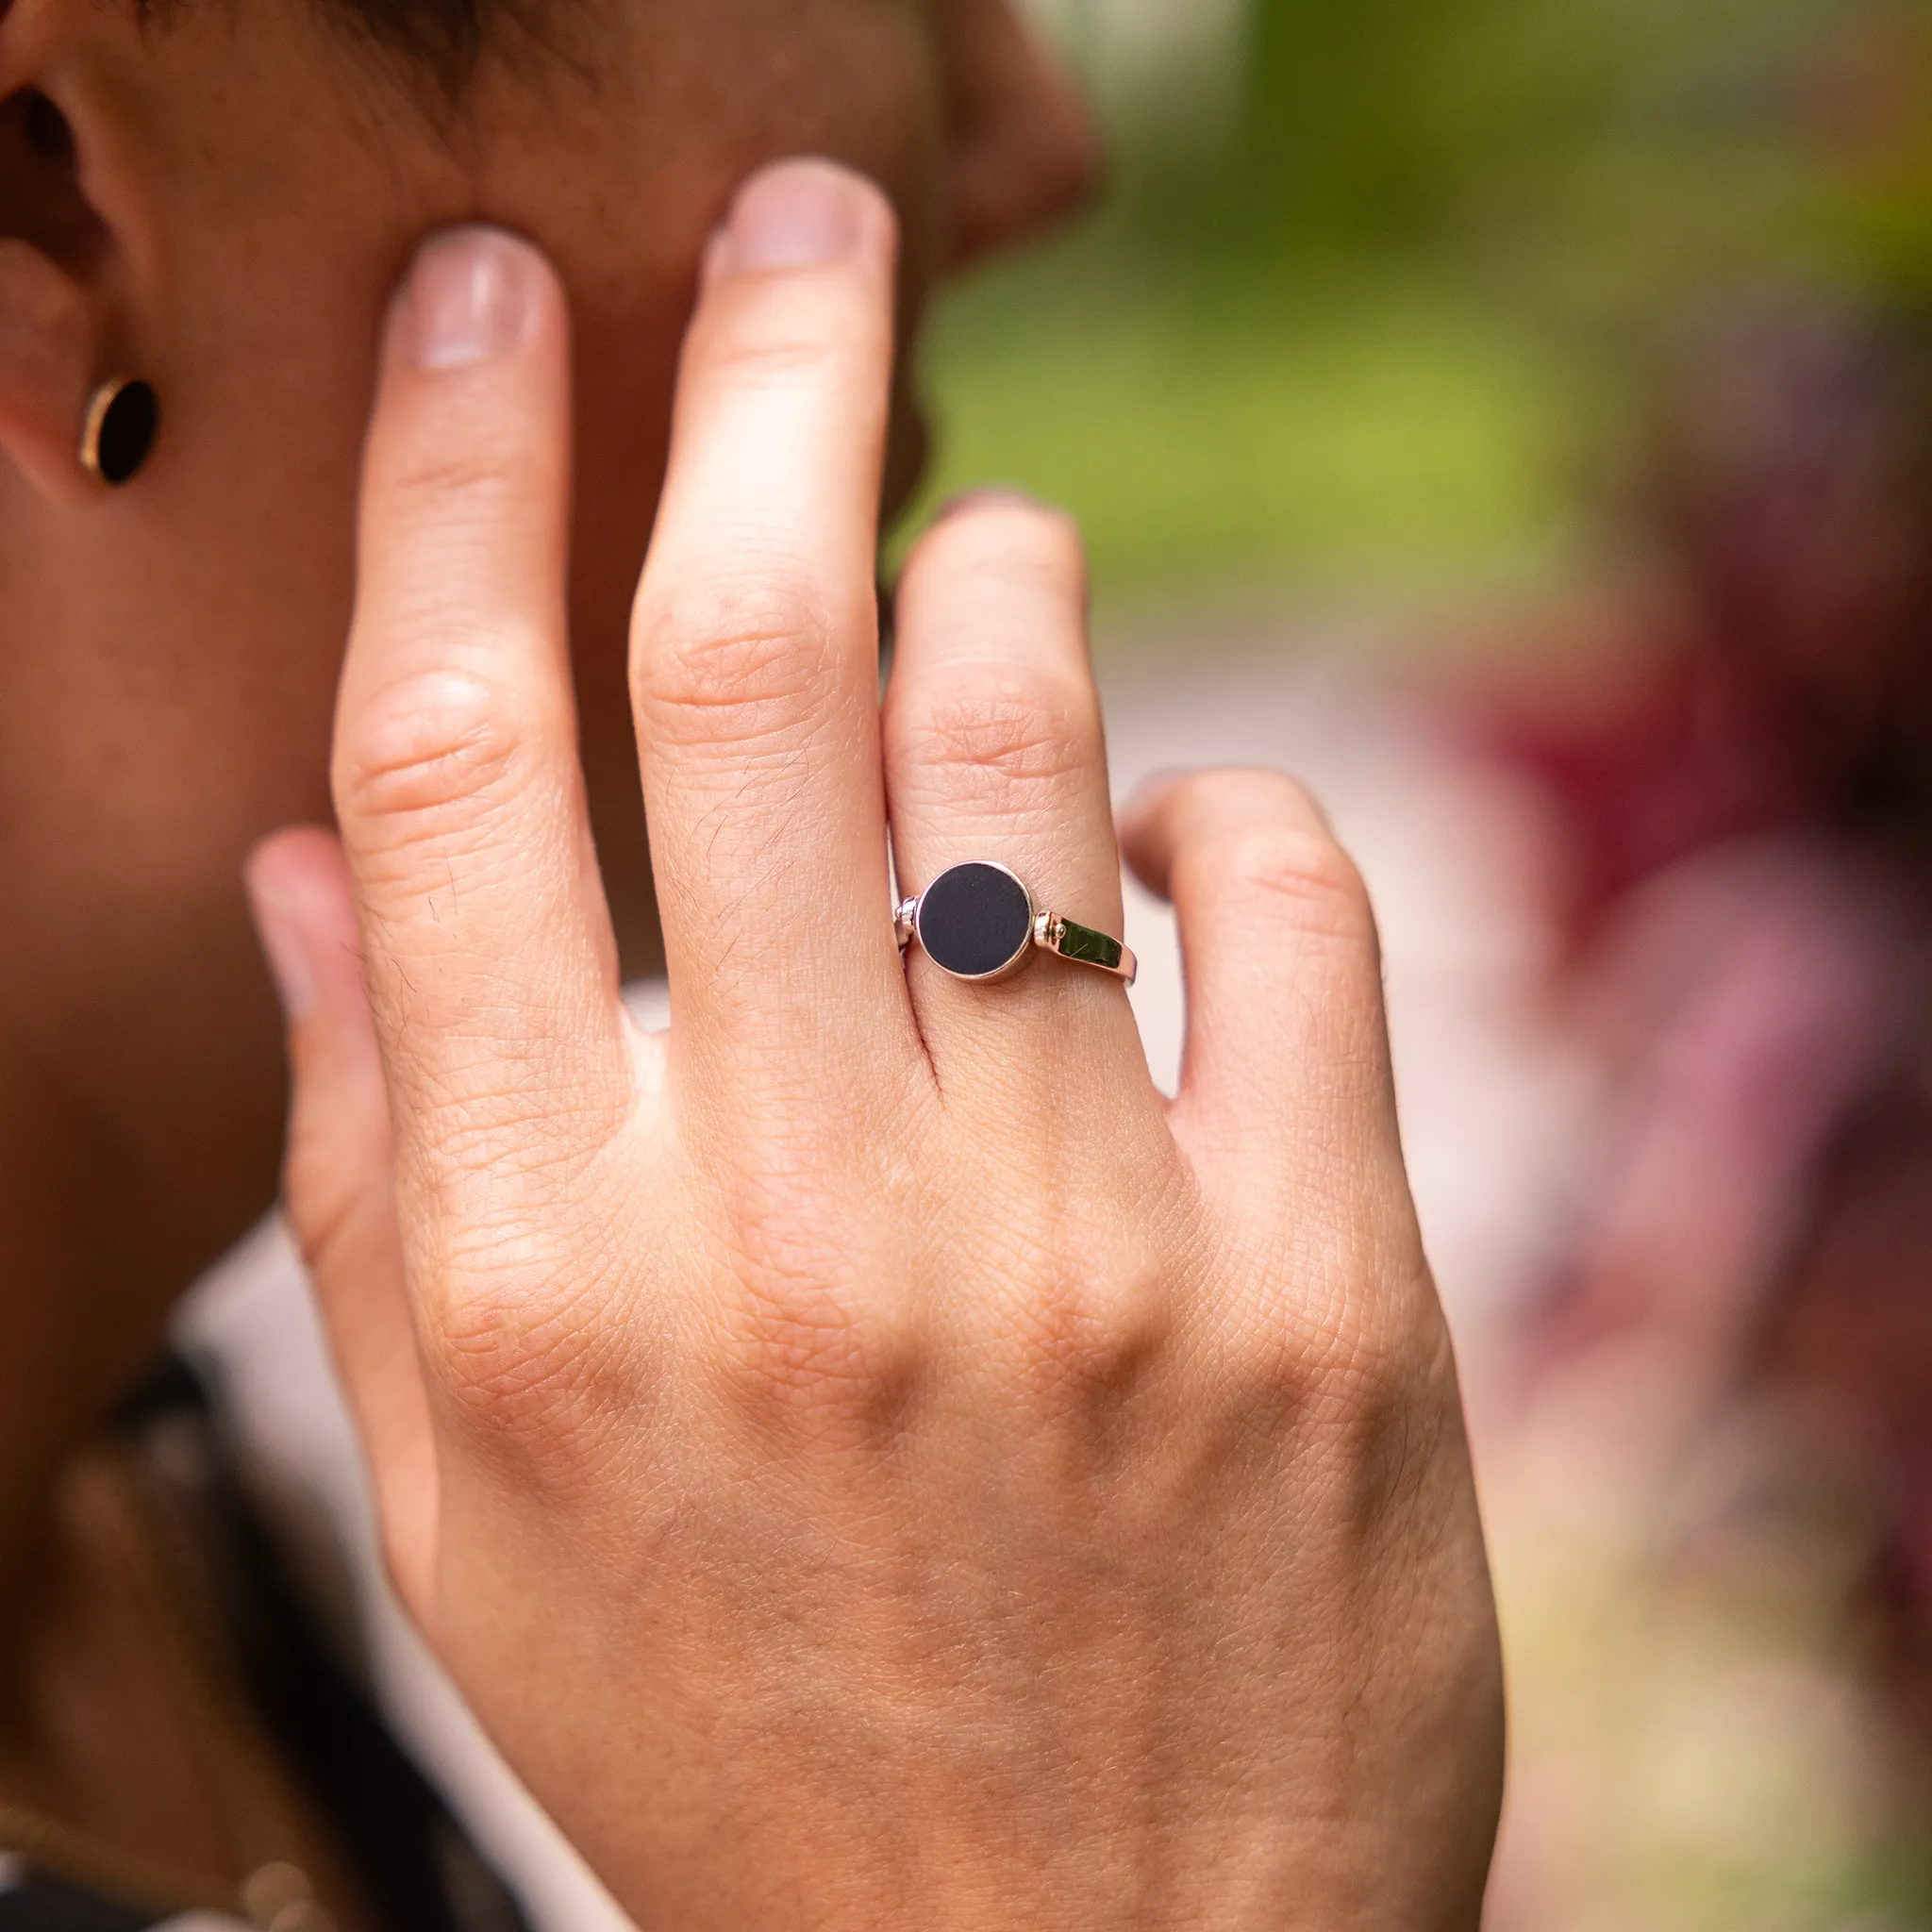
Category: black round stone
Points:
column 975, row 919
column 127, row 431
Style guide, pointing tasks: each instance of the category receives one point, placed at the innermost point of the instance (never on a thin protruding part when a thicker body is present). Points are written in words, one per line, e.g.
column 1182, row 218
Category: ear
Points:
column 53, row 246
column 1024, row 153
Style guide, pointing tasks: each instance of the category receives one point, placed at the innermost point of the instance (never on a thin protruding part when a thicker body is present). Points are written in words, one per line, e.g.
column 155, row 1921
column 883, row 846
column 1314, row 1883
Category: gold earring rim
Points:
column 94, row 425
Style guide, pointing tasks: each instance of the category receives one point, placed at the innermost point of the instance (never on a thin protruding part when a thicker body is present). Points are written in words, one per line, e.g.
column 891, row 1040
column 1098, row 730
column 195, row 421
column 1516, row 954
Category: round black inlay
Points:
column 127, row 431
column 975, row 919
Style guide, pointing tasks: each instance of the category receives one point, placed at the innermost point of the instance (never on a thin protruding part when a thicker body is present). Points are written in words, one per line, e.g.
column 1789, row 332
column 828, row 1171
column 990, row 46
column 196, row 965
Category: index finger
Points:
column 489, row 955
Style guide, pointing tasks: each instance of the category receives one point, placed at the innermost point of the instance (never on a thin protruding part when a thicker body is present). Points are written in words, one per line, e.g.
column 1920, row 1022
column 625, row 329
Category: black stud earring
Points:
column 123, row 418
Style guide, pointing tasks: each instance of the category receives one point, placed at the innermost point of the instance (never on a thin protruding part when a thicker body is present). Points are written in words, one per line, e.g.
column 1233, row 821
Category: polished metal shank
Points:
column 1084, row 946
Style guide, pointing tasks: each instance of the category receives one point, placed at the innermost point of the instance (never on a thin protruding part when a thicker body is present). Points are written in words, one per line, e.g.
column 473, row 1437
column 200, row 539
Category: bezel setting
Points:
column 1017, row 955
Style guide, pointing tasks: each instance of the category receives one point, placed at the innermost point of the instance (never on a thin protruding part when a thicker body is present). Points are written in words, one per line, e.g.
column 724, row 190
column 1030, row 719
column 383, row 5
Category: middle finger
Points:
column 754, row 650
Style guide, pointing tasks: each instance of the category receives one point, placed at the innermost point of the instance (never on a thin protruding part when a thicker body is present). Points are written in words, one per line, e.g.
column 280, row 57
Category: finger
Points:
column 490, row 961
column 754, row 651
column 1287, row 1045
column 995, row 751
column 338, row 1192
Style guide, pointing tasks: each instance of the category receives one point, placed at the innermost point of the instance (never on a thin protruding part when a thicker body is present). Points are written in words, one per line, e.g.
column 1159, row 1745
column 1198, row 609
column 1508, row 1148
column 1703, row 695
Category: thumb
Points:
column 337, row 1182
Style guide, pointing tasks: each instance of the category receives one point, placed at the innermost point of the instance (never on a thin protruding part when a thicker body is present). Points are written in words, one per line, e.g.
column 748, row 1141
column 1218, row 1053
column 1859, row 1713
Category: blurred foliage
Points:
column 1609, row 152
column 1372, row 440
column 1374, row 287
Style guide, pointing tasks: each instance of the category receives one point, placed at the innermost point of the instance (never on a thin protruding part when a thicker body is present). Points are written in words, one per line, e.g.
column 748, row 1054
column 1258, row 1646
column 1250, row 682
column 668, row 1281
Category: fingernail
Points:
column 799, row 214
column 987, row 496
column 285, row 947
column 468, row 298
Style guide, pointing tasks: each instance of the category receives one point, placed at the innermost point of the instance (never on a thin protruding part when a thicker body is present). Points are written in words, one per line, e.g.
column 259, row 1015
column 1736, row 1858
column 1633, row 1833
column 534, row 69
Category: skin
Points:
column 241, row 194
column 871, row 1423
column 223, row 199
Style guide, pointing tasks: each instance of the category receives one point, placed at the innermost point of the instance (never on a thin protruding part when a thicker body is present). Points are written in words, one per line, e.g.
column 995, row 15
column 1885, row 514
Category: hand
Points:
column 869, row 1460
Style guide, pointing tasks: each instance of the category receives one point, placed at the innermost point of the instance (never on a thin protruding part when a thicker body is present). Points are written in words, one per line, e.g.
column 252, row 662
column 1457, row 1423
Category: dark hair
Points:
column 443, row 37
column 442, row 41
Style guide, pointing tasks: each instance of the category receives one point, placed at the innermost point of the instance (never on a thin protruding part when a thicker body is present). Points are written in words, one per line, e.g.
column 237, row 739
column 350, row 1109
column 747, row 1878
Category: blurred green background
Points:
column 1367, row 310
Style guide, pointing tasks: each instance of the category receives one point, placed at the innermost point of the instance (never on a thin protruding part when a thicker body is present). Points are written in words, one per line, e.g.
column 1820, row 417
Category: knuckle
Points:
column 1091, row 1307
column 1293, row 876
column 457, row 487
column 985, row 739
column 431, row 749
column 529, row 1357
column 1392, row 1413
column 774, row 336
column 1360, row 1406
column 812, row 1349
column 747, row 654
column 763, row 352
column 1094, row 1340
column 1280, row 1366
column 1351, row 1353
column 484, row 1352
column 815, row 1333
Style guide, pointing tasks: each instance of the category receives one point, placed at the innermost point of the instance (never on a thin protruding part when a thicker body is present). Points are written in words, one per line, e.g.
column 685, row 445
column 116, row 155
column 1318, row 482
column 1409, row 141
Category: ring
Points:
column 977, row 923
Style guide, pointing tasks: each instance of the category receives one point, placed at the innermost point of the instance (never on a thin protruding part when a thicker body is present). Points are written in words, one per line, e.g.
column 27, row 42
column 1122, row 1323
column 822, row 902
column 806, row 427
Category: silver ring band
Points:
column 978, row 921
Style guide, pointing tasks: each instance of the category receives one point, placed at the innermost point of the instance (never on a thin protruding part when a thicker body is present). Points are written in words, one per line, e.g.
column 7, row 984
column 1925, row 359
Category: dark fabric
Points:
column 417, row 1867
column 39, row 1904
column 418, row 1870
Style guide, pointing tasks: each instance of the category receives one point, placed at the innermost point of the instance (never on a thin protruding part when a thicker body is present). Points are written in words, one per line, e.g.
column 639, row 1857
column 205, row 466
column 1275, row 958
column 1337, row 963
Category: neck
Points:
column 87, row 1304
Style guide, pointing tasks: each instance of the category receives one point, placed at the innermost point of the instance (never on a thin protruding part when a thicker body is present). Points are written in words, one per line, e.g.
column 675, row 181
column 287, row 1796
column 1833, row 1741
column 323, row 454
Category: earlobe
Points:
column 70, row 424
column 50, row 340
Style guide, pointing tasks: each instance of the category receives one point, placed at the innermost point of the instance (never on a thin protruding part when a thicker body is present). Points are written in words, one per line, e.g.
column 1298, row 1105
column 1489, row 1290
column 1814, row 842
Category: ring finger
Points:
column 994, row 751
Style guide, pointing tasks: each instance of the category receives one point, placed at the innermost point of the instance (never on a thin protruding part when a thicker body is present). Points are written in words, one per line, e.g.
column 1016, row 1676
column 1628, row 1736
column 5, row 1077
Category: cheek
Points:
column 695, row 102
column 625, row 370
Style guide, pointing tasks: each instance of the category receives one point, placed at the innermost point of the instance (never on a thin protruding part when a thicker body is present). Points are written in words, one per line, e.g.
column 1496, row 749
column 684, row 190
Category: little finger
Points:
column 1287, row 1043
